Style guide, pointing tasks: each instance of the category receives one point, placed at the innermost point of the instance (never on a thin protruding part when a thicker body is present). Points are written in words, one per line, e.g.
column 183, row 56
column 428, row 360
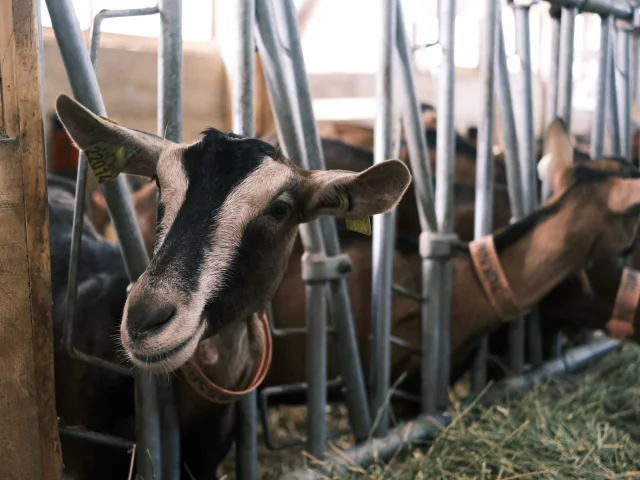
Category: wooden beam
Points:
column 29, row 444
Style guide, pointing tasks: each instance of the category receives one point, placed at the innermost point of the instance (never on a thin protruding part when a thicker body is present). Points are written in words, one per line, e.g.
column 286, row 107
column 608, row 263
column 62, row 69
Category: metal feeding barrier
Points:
column 271, row 26
column 157, row 435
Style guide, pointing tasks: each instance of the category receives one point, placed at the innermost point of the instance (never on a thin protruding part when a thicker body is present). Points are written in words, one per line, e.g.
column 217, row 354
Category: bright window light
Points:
column 342, row 37
column 467, row 53
column 509, row 32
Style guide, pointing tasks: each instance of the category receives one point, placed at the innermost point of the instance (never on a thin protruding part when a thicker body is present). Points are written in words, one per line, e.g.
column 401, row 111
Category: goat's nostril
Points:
column 159, row 316
column 144, row 319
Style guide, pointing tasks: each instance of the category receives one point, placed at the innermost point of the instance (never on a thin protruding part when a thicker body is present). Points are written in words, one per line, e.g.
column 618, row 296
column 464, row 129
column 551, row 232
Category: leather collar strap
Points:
column 214, row 393
column 493, row 279
column 622, row 324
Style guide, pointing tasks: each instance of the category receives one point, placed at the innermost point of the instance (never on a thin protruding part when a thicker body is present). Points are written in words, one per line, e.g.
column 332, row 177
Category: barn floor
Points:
column 584, row 426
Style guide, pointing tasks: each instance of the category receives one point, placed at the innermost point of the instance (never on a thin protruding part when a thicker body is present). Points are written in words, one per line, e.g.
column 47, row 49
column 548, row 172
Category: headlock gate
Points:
column 271, row 26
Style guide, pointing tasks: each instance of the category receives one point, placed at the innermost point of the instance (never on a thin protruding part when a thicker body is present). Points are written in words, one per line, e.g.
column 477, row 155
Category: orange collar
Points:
column 214, row 393
column 622, row 324
column 493, row 279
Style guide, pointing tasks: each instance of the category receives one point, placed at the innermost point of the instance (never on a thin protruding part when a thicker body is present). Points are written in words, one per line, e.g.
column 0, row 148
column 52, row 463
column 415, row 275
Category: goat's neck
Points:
column 225, row 358
column 533, row 265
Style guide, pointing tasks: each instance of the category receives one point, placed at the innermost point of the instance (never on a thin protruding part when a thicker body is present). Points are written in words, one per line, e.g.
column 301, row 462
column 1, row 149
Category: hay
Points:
column 573, row 428
column 584, row 426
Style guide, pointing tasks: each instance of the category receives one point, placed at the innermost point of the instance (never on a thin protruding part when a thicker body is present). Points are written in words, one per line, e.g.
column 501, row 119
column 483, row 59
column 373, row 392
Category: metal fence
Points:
column 272, row 26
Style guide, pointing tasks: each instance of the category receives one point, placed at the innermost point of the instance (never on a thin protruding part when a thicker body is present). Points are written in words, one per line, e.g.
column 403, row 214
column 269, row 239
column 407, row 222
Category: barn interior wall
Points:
column 127, row 74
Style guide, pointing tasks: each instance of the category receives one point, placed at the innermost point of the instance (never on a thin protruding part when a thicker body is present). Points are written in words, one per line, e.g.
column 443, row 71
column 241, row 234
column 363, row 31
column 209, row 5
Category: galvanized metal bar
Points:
column 170, row 70
column 565, row 73
column 339, row 300
column 597, row 133
column 524, row 124
column 96, row 26
column 85, row 88
column 414, row 130
column 383, row 225
column 170, row 127
column 445, row 178
column 612, row 113
column 485, row 164
column 288, row 98
column 315, row 292
column 526, row 142
column 514, row 179
column 618, row 8
column 551, row 108
column 243, row 123
column 94, row 437
column 423, row 181
column 623, row 88
column 316, row 357
column 510, row 140
column 551, row 112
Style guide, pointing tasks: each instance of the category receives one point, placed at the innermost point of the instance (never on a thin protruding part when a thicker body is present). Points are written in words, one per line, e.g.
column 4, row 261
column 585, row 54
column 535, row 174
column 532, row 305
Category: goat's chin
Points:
column 168, row 359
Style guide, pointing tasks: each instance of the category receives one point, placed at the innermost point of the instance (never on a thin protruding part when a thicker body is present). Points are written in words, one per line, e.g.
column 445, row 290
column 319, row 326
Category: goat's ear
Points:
column 558, row 158
column 110, row 148
column 356, row 196
column 624, row 195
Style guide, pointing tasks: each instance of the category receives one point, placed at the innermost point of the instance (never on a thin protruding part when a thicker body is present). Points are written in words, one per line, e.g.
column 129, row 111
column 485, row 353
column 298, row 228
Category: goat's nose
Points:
column 143, row 319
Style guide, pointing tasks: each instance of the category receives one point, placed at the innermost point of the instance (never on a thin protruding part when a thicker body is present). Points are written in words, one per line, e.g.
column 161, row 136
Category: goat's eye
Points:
column 279, row 210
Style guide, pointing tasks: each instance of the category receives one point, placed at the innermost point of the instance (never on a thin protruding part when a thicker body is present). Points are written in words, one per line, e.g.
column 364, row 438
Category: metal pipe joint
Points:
column 437, row 245
column 318, row 267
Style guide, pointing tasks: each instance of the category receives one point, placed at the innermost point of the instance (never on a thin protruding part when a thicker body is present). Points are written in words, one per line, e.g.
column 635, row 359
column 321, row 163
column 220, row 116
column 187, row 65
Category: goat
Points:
column 228, row 216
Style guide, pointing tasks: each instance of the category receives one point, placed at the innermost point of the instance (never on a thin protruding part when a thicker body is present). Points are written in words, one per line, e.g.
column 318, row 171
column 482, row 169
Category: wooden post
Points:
column 29, row 444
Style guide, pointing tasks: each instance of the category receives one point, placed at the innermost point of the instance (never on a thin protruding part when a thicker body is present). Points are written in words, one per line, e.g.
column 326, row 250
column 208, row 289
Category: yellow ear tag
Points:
column 106, row 160
column 108, row 120
column 360, row 225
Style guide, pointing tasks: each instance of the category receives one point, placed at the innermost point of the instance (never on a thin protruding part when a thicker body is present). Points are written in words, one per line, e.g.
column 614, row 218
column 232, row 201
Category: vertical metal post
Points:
column 565, row 73
column 243, row 123
column 612, row 113
column 485, row 167
column 84, row 85
column 339, row 301
column 422, row 179
column 170, row 70
column 513, row 165
column 287, row 98
column 527, row 157
column 505, row 102
column 288, row 116
column 170, row 127
column 384, row 224
column 445, row 177
column 316, row 308
column 623, row 88
column 551, row 112
column 597, row 132
column 551, row 109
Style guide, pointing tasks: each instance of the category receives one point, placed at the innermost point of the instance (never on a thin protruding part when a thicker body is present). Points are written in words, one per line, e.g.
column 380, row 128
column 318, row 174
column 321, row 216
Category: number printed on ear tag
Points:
column 106, row 160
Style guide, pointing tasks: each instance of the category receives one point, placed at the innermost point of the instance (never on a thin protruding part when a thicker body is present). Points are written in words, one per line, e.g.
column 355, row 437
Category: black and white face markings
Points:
column 226, row 203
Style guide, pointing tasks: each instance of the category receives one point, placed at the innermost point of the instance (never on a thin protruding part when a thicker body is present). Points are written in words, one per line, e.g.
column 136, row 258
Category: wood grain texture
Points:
column 29, row 444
